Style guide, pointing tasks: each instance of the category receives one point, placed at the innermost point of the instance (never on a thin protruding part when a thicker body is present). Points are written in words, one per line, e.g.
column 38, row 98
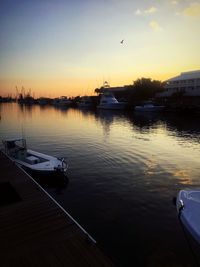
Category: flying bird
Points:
column 122, row 41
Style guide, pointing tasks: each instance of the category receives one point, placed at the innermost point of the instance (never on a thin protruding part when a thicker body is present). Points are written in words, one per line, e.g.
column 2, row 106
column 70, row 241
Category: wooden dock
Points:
column 35, row 230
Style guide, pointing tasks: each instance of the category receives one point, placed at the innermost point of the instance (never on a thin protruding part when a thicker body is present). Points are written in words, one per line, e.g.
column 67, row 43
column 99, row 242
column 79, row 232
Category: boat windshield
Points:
column 18, row 143
column 11, row 144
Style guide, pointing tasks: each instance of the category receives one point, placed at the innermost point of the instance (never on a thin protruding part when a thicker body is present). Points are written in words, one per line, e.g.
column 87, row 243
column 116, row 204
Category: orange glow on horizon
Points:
column 70, row 87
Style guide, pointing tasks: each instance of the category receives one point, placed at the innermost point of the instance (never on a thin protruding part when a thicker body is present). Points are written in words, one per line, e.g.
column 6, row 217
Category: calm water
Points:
column 124, row 170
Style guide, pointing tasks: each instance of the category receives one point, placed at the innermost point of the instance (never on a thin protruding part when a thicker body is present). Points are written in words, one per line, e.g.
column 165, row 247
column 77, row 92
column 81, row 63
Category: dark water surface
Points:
column 124, row 170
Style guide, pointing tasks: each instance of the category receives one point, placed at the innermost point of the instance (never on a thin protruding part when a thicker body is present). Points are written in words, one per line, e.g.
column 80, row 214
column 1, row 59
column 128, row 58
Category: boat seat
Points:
column 32, row 160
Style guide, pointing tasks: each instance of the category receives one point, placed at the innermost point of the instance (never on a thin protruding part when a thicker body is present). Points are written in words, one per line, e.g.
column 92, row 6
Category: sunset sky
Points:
column 63, row 47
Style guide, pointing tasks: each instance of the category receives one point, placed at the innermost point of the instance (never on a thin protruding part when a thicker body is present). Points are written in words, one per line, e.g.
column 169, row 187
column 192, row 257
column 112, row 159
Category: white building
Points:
column 187, row 82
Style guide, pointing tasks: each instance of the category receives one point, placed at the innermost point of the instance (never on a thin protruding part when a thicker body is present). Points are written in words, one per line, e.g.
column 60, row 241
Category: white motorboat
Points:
column 148, row 106
column 188, row 207
column 33, row 162
column 108, row 101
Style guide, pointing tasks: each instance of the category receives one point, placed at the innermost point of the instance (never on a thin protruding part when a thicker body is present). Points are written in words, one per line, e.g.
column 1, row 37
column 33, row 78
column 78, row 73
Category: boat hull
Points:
column 42, row 173
column 188, row 207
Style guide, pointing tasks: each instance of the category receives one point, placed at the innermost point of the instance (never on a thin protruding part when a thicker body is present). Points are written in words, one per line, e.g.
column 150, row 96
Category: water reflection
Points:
column 146, row 119
column 86, row 112
column 62, row 109
column 151, row 165
column 186, row 127
column 107, row 118
column 45, row 107
column 26, row 108
column 59, row 183
column 184, row 177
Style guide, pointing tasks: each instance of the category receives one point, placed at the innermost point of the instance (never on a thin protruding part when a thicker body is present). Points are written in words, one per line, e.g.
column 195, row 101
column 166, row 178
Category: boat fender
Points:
column 180, row 206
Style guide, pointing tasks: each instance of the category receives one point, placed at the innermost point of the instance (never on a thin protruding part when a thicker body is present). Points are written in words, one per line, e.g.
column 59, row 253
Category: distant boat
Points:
column 148, row 106
column 85, row 102
column 27, row 100
column 108, row 101
column 43, row 101
column 188, row 207
column 32, row 161
column 62, row 101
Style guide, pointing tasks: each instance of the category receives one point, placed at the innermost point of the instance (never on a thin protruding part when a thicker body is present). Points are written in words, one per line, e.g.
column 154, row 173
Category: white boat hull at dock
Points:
column 188, row 207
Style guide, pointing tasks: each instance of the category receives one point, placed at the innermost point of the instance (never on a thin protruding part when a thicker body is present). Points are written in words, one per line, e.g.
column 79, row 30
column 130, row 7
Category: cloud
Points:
column 151, row 10
column 174, row 2
column 148, row 11
column 193, row 10
column 155, row 26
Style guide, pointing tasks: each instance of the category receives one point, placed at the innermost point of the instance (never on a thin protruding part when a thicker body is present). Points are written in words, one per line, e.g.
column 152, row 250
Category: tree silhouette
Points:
column 144, row 89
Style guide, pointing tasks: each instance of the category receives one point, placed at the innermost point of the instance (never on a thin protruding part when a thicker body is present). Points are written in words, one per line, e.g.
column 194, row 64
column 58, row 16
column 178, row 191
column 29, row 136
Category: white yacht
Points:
column 108, row 101
column 33, row 162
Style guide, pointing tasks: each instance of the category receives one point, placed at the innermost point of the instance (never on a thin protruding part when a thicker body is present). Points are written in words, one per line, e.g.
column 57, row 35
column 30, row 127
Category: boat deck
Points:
column 35, row 230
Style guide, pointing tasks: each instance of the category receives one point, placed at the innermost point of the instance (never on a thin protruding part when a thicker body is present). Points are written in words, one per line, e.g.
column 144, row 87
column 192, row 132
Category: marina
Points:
column 35, row 230
column 100, row 133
